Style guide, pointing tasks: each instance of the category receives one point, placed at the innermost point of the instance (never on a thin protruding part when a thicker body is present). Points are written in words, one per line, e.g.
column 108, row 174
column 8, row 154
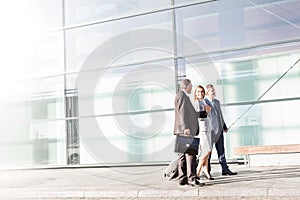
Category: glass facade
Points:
column 93, row 82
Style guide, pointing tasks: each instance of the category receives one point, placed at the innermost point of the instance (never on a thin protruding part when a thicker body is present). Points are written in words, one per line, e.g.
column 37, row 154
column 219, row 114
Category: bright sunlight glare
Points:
column 19, row 30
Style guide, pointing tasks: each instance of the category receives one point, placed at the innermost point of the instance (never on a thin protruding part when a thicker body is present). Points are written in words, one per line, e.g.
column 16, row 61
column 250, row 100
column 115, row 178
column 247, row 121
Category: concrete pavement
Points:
column 146, row 182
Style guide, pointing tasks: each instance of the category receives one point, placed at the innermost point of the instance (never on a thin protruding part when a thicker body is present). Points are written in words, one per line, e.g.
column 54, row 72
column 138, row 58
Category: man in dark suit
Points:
column 218, row 126
column 186, row 122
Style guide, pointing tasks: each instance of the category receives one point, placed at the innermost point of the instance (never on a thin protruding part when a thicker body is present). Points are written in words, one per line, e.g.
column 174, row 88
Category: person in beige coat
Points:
column 186, row 122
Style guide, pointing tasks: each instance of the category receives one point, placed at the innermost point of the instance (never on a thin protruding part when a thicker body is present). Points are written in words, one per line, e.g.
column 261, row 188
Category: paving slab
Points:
column 147, row 182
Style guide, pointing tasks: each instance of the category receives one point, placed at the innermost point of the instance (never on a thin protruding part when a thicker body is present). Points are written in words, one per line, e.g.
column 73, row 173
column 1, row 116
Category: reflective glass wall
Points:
column 32, row 84
column 93, row 82
column 254, row 45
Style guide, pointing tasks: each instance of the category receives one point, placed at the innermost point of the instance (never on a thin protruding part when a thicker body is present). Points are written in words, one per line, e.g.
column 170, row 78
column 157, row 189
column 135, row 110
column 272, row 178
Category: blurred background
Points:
column 44, row 44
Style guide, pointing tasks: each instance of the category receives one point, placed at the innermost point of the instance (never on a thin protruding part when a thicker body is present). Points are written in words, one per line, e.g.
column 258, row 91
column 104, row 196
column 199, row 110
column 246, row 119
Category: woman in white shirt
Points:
column 205, row 132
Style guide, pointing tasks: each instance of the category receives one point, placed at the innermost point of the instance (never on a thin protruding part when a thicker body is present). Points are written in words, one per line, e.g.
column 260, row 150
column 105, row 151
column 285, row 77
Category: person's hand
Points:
column 207, row 108
column 226, row 130
column 187, row 131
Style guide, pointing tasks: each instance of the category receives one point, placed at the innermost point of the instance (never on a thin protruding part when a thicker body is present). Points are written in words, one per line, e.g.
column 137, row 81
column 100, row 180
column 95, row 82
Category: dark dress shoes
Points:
column 195, row 182
column 228, row 172
column 183, row 182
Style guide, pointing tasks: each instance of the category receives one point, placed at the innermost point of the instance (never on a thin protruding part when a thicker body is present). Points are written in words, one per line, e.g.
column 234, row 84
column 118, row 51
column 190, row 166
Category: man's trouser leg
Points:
column 186, row 168
column 191, row 167
column 182, row 169
column 221, row 152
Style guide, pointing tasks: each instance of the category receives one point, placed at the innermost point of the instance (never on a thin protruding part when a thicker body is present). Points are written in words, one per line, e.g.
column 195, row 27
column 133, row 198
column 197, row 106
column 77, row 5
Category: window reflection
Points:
column 90, row 10
column 83, row 41
column 238, row 24
column 135, row 88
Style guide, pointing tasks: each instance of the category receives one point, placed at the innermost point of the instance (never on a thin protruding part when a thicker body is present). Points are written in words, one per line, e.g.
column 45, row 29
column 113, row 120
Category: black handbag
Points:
column 203, row 114
column 186, row 144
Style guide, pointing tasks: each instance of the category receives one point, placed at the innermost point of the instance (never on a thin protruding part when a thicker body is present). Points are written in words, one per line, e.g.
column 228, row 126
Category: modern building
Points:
column 93, row 82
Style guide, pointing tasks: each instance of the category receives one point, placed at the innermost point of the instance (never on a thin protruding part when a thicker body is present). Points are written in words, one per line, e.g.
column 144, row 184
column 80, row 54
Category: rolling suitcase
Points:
column 171, row 172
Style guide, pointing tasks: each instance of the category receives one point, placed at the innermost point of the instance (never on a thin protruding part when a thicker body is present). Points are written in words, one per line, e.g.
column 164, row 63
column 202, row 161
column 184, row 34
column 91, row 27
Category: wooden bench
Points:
column 265, row 149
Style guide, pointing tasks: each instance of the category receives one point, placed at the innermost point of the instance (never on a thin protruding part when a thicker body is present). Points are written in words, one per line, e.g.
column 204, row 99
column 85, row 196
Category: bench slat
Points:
column 267, row 149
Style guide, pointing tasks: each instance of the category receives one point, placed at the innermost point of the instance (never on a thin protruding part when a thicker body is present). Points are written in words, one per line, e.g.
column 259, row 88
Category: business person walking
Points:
column 218, row 126
column 205, row 132
column 186, row 122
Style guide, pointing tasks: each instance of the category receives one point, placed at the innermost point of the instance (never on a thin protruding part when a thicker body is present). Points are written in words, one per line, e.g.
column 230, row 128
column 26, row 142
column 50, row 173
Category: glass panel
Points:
column 78, row 11
column 135, row 104
column 32, row 58
column 135, row 88
column 271, row 21
column 27, row 141
column 116, row 46
column 131, row 144
column 47, row 97
column 127, row 89
column 44, row 56
column 272, row 68
column 23, row 25
column 46, row 14
column 26, row 113
column 28, row 49
column 31, row 16
column 264, row 124
column 206, row 36
column 248, row 80
column 237, row 24
column 48, row 142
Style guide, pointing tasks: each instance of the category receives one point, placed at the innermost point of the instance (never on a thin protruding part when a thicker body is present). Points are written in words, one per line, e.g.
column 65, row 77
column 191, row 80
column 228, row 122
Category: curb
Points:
column 155, row 193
